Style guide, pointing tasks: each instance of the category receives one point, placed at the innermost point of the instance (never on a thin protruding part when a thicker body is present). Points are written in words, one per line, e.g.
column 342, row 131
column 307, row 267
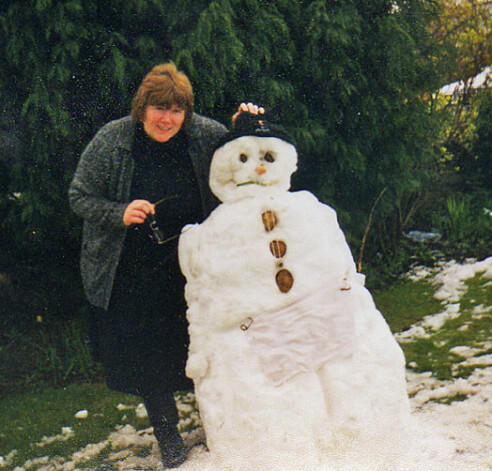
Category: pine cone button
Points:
column 278, row 248
column 284, row 280
column 269, row 220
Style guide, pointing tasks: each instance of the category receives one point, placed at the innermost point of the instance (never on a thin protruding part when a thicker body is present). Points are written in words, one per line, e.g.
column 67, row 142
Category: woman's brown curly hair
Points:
column 164, row 86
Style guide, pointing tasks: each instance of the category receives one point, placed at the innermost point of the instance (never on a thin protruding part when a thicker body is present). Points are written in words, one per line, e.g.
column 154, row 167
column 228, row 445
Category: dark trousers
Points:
column 162, row 412
column 163, row 416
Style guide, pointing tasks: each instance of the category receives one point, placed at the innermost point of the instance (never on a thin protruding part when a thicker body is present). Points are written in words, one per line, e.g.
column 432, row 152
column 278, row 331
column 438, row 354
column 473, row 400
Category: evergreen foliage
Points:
column 465, row 144
column 465, row 27
column 480, row 165
column 349, row 76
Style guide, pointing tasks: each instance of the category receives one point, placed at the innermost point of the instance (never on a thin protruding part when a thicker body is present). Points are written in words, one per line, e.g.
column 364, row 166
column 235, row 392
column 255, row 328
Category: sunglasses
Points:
column 156, row 232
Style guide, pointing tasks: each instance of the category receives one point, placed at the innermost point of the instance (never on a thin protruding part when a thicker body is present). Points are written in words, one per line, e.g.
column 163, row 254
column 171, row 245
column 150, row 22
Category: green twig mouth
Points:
column 250, row 182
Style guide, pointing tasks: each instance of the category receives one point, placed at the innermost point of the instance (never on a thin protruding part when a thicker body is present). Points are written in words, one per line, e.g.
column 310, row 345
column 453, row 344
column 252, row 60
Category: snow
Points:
column 266, row 401
column 288, row 370
column 482, row 80
column 460, row 431
column 66, row 433
column 140, row 411
column 440, row 436
column 452, row 275
column 450, row 279
column 346, row 408
column 82, row 414
column 419, row 236
column 121, row 406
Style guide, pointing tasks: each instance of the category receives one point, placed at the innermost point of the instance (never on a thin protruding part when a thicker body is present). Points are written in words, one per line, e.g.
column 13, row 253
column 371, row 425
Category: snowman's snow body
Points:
column 282, row 372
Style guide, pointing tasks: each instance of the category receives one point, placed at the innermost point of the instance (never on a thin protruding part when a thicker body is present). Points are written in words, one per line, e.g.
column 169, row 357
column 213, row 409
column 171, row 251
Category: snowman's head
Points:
column 257, row 158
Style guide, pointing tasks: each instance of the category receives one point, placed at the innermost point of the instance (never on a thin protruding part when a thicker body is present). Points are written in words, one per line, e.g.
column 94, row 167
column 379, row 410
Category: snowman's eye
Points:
column 269, row 157
column 243, row 158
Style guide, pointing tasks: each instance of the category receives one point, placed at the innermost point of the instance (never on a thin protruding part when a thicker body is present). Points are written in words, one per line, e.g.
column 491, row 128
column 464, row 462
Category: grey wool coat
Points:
column 100, row 192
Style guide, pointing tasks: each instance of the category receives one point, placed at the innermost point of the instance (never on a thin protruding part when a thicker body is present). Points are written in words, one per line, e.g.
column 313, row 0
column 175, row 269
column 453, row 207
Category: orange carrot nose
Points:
column 260, row 170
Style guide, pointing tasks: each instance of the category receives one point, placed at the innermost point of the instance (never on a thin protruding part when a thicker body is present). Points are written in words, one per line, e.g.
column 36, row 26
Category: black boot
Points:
column 163, row 416
column 173, row 451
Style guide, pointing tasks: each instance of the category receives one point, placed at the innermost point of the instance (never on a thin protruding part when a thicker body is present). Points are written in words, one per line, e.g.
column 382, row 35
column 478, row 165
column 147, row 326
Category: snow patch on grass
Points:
column 66, row 433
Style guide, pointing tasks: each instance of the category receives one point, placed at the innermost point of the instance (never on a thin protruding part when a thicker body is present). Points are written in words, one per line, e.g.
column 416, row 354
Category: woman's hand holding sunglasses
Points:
column 136, row 212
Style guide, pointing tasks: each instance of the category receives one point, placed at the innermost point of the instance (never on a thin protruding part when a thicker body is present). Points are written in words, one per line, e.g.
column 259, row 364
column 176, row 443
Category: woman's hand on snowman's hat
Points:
column 247, row 108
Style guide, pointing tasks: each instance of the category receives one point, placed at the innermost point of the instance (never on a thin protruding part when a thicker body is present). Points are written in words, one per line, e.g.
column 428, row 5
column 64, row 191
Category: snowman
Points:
column 290, row 358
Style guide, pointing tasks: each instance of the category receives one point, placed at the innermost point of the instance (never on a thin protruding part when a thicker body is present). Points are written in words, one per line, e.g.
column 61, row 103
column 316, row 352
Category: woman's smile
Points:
column 161, row 124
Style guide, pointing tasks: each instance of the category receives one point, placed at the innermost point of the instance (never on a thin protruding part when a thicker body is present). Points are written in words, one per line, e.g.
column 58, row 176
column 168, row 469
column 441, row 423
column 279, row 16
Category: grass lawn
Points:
column 28, row 417
column 405, row 302
column 472, row 328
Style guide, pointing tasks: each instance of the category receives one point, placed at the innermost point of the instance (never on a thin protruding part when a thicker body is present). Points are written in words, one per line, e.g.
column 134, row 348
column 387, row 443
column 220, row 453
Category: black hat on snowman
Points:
column 258, row 125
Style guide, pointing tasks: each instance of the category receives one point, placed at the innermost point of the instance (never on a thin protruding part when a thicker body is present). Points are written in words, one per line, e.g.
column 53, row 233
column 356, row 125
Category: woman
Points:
column 138, row 182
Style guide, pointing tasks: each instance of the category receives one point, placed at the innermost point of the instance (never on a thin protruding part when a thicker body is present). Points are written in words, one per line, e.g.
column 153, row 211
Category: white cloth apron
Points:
column 302, row 336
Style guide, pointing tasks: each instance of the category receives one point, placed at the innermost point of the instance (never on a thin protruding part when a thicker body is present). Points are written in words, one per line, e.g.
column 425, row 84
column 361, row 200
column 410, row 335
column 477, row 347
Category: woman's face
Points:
column 162, row 123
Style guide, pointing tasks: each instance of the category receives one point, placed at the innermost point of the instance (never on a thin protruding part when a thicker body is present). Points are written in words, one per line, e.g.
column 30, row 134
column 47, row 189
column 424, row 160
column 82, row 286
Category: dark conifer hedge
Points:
column 350, row 77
